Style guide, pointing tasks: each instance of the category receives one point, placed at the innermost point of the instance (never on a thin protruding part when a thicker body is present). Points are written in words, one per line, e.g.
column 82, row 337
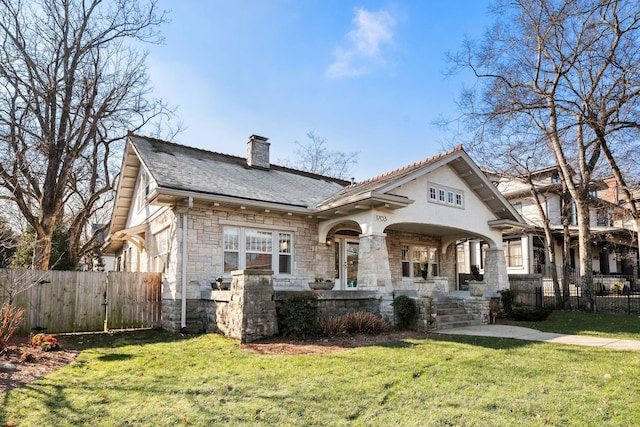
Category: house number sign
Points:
column 381, row 218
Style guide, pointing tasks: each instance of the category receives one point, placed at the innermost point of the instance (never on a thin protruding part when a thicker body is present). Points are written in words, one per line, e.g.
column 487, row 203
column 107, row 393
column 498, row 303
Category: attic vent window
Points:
column 443, row 195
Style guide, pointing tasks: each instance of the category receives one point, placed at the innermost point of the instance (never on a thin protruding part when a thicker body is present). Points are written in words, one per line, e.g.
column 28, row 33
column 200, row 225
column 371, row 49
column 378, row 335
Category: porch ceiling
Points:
column 432, row 230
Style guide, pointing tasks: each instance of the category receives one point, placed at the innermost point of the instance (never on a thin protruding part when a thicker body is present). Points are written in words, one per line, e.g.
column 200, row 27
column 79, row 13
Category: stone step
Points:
column 453, row 317
column 455, row 310
column 449, row 315
column 459, row 324
column 447, row 306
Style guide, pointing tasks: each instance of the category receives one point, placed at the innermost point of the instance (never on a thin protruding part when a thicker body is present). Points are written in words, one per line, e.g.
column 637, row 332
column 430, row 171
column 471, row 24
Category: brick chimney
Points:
column 258, row 152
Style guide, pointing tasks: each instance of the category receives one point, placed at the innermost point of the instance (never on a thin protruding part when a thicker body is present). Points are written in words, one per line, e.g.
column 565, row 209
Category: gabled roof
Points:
column 378, row 188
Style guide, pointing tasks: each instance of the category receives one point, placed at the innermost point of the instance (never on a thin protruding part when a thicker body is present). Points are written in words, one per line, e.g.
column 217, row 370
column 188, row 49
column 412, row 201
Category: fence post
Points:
column 105, row 304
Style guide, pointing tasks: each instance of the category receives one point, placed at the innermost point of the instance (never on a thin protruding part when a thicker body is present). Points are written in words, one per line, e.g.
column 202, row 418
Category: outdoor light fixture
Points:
column 329, row 241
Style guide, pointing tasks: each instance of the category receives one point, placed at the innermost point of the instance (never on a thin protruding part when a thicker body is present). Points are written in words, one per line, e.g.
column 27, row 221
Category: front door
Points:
column 346, row 263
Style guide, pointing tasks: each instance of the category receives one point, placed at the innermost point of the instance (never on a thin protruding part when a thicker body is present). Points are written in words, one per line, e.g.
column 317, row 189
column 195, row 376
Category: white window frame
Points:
column 410, row 256
column 448, row 196
column 143, row 189
column 161, row 248
column 272, row 247
column 512, row 260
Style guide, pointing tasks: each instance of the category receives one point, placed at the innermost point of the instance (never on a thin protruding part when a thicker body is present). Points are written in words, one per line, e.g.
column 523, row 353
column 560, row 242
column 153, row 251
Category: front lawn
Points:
column 595, row 324
column 154, row 378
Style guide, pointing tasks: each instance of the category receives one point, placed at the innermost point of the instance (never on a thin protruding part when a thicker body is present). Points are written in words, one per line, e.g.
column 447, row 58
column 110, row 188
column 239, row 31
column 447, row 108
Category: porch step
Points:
column 450, row 315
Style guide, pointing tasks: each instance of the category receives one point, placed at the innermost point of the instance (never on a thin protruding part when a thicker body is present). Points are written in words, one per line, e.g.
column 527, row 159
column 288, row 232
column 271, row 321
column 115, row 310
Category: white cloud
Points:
column 372, row 30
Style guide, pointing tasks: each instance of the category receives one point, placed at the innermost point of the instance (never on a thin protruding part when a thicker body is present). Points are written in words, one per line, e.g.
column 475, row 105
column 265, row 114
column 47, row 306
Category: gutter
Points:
column 183, row 291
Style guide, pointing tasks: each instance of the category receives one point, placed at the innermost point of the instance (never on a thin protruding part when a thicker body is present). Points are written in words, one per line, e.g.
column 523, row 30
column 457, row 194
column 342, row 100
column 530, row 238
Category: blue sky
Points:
column 366, row 76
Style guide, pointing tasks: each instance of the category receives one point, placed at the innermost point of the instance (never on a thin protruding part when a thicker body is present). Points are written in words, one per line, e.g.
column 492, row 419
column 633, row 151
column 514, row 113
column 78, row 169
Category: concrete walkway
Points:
column 527, row 334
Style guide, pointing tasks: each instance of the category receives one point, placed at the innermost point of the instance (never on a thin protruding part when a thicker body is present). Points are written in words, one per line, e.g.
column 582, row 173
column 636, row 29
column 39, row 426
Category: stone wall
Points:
column 245, row 312
column 479, row 307
column 424, row 312
column 525, row 286
column 337, row 303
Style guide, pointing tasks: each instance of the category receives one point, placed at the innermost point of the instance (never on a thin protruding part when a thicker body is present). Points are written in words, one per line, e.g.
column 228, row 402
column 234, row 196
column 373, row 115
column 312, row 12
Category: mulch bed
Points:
column 42, row 362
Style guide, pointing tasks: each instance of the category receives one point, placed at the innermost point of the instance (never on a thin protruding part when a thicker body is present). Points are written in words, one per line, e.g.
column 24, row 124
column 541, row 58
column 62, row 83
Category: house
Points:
column 195, row 215
column 614, row 247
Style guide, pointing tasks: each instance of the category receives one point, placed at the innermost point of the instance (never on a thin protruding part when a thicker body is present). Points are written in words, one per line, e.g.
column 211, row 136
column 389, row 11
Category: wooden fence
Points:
column 76, row 301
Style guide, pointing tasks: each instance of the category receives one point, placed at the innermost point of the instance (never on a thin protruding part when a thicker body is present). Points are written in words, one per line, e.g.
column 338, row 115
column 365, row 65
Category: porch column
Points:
column 373, row 262
column 495, row 270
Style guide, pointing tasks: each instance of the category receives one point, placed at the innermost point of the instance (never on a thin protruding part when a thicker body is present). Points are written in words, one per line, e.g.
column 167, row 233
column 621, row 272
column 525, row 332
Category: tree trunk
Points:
column 586, row 259
column 566, row 249
column 41, row 252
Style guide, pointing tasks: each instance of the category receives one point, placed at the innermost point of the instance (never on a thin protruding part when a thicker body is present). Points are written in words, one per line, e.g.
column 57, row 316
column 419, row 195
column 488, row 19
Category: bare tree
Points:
column 72, row 82
column 315, row 157
column 564, row 70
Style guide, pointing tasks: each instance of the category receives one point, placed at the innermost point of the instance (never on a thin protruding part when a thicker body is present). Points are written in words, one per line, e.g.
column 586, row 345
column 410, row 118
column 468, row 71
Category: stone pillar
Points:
column 495, row 270
column 373, row 263
column 251, row 312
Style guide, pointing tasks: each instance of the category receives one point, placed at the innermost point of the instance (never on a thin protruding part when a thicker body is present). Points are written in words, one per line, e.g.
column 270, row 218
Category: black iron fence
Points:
column 615, row 294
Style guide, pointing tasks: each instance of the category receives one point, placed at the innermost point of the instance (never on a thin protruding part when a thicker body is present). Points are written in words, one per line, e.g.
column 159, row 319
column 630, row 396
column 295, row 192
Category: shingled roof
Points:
column 179, row 167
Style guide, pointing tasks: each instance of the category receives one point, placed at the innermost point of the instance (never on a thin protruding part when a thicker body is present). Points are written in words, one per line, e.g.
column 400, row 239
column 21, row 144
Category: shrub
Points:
column 359, row 322
column 44, row 342
column 404, row 309
column 531, row 315
column 10, row 320
column 334, row 325
column 617, row 287
column 299, row 316
column 507, row 297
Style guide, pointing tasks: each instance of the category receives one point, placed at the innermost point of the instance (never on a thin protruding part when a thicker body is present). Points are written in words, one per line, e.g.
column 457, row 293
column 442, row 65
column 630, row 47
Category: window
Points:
column 143, row 190
column 416, row 258
column 284, row 253
column 250, row 249
column 406, row 262
column 446, row 196
column 518, row 207
column 161, row 243
column 258, row 250
column 513, row 252
column 231, row 249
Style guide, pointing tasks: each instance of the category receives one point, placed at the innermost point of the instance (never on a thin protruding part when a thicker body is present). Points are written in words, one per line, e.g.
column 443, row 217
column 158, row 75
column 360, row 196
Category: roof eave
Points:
column 166, row 196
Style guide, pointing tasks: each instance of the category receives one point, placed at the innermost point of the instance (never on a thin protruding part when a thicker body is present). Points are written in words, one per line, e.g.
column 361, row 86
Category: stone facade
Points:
column 247, row 311
column 373, row 267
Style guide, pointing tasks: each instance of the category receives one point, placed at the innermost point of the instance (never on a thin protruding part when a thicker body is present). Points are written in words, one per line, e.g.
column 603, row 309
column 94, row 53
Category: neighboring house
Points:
column 195, row 215
column 614, row 249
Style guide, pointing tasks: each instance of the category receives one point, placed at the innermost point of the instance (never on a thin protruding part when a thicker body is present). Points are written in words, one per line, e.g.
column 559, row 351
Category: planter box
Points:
column 424, row 288
column 476, row 289
column 321, row 286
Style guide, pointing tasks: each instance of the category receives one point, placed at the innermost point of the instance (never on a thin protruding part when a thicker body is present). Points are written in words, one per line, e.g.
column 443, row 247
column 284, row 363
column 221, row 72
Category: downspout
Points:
column 183, row 292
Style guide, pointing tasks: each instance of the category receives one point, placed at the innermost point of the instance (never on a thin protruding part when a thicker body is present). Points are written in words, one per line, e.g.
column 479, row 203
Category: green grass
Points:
column 151, row 378
column 580, row 323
